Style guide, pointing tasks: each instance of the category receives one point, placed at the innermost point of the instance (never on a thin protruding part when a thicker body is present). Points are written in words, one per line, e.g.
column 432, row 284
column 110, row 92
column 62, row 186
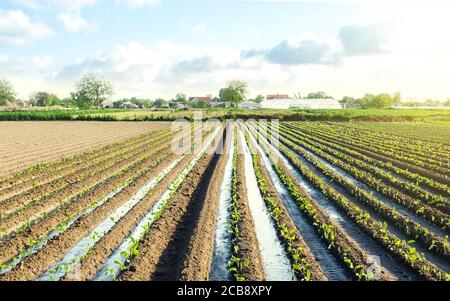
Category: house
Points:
column 182, row 107
column 107, row 104
column 249, row 105
column 277, row 96
column 285, row 104
column 204, row 98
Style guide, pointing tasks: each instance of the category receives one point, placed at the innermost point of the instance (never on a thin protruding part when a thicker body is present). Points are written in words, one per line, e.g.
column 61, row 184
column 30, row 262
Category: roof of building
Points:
column 200, row 98
column 277, row 96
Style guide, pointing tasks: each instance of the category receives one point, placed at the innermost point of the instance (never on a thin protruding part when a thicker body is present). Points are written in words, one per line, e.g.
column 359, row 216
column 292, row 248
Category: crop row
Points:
column 39, row 210
column 303, row 262
column 434, row 153
column 411, row 228
column 351, row 257
column 418, row 132
column 415, row 141
column 378, row 231
column 341, row 137
column 117, row 262
column 358, row 170
column 236, row 265
column 415, row 181
column 48, row 170
column 91, row 187
column 417, row 172
column 408, row 187
column 35, row 245
column 38, row 194
column 124, row 179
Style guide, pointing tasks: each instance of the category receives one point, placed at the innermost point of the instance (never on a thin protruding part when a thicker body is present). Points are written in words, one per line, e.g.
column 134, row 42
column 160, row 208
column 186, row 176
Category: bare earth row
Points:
column 134, row 210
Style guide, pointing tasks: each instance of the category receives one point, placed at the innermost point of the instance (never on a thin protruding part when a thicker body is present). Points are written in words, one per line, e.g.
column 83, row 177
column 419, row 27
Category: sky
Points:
column 156, row 48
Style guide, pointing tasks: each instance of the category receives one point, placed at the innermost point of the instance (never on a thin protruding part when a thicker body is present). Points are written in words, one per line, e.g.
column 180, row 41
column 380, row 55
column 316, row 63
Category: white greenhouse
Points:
column 285, row 104
column 249, row 105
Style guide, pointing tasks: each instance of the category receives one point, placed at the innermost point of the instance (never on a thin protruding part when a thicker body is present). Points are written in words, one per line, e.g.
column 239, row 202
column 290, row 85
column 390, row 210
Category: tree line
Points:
column 92, row 90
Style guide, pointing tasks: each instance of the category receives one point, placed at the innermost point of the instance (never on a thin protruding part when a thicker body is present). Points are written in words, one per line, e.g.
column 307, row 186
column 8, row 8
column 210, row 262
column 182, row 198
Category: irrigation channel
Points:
column 350, row 228
column 276, row 264
column 112, row 268
column 279, row 203
column 323, row 255
column 397, row 269
column 222, row 238
column 440, row 262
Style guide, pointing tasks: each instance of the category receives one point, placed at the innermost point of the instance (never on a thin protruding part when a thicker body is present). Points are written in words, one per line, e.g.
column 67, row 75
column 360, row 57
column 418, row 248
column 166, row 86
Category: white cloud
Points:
column 137, row 3
column 73, row 22
column 17, row 28
column 74, row 4
column 363, row 39
column 311, row 50
column 167, row 68
column 31, row 4
column 33, row 65
column 71, row 17
column 295, row 53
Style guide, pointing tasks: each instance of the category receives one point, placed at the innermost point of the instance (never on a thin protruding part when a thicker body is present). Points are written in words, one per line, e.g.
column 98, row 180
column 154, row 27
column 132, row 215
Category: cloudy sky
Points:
column 151, row 48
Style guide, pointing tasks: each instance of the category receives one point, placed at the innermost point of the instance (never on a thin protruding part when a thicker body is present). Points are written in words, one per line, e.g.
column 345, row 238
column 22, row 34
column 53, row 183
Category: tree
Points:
column 147, row 104
column 159, row 102
column 234, row 93
column 44, row 99
column 181, row 98
column 6, row 92
column 80, row 100
column 118, row 103
column 380, row 101
column 199, row 104
column 259, row 98
column 349, row 102
column 318, row 95
column 137, row 101
column 447, row 103
column 92, row 89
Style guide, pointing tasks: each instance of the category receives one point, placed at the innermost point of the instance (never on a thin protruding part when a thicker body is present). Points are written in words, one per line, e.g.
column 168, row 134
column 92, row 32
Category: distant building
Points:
column 204, row 98
column 277, row 96
column 249, row 105
column 182, row 107
column 219, row 104
column 107, row 104
column 282, row 103
column 129, row 105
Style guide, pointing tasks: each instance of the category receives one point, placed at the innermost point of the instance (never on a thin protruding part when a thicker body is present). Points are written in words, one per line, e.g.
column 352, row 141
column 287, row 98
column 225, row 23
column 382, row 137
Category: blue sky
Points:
column 154, row 48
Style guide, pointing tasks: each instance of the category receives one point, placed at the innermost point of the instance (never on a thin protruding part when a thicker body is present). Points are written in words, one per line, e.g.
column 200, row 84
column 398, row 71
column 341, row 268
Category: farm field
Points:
column 401, row 115
column 312, row 201
column 25, row 144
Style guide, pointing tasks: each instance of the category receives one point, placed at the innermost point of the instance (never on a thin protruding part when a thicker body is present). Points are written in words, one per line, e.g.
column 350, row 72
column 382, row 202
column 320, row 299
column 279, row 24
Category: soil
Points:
column 197, row 264
column 77, row 177
column 284, row 218
column 248, row 243
column 185, row 230
column 33, row 266
column 34, row 181
column 24, row 144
